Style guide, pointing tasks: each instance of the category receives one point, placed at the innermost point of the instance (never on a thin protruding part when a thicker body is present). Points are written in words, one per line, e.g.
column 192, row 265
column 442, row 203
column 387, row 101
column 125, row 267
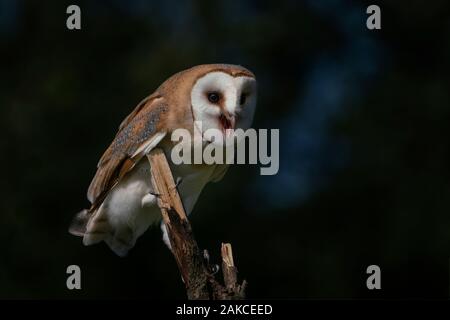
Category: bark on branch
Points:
column 195, row 268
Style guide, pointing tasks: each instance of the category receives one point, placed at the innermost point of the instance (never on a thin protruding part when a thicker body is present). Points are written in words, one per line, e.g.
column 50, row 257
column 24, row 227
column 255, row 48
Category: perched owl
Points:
column 123, row 204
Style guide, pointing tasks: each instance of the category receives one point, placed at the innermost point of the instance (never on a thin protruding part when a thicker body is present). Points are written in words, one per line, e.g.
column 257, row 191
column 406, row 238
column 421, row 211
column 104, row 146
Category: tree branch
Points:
column 194, row 266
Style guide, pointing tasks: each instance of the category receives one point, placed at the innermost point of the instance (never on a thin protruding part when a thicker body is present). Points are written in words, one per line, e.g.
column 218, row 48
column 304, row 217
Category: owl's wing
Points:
column 140, row 132
column 136, row 110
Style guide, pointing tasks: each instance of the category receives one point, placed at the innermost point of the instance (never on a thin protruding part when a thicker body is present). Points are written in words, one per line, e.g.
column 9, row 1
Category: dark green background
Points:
column 364, row 126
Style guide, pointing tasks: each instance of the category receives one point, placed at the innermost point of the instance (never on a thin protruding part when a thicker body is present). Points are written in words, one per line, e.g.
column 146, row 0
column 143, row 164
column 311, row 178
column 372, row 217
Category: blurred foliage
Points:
column 381, row 181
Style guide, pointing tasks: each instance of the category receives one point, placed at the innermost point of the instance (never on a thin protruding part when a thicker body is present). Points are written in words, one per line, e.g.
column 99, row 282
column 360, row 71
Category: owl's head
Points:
column 224, row 98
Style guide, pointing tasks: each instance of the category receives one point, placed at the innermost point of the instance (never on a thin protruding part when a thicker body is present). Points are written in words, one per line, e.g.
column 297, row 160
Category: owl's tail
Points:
column 79, row 223
column 95, row 227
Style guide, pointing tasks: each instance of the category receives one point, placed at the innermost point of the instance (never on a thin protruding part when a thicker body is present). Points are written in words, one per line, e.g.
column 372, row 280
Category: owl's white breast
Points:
column 131, row 209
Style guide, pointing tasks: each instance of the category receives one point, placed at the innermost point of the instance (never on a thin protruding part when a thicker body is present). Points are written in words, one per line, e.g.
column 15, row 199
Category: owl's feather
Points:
column 139, row 133
column 137, row 130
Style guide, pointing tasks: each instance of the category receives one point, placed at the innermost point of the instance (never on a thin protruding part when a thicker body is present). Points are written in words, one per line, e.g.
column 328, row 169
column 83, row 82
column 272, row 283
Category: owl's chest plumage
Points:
column 131, row 206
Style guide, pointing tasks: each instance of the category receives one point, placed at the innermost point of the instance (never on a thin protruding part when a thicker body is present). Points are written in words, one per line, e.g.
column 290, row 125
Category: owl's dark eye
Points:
column 243, row 98
column 213, row 97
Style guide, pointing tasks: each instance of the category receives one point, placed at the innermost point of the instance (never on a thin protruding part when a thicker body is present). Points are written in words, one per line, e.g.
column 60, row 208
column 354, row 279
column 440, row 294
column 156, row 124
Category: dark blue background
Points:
column 364, row 126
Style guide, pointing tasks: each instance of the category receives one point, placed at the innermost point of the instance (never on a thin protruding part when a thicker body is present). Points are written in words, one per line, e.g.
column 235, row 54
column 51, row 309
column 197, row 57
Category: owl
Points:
column 123, row 202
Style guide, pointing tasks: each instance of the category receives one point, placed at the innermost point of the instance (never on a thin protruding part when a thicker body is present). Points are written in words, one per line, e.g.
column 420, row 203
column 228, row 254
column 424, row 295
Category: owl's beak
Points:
column 227, row 122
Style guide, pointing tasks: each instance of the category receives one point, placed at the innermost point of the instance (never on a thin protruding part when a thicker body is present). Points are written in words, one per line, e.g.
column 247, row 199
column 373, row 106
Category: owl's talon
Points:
column 162, row 204
column 165, row 205
column 177, row 182
column 214, row 269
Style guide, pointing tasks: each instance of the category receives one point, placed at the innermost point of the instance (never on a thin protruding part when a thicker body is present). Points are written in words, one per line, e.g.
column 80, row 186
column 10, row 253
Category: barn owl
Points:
column 123, row 204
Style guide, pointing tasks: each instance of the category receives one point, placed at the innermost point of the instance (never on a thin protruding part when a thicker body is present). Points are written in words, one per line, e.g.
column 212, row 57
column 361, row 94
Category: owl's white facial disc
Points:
column 220, row 101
